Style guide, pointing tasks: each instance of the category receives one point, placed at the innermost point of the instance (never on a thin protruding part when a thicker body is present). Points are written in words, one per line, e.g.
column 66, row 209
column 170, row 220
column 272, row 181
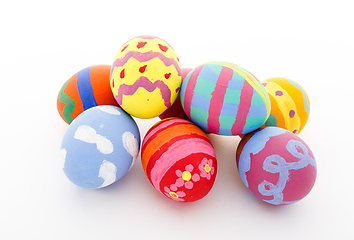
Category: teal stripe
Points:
column 226, row 121
column 271, row 121
column 200, row 114
column 254, row 121
column 69, row 104
column 204, row 88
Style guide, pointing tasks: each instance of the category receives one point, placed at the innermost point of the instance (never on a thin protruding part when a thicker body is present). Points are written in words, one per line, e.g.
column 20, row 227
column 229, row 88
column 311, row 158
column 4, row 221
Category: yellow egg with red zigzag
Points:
column 146, row 76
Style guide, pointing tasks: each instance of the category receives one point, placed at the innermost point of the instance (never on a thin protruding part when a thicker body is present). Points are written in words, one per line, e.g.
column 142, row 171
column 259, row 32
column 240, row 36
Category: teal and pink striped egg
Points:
column 225, row 99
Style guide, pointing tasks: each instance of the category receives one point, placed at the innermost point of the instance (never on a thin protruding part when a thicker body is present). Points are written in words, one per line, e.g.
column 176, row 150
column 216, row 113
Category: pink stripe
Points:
column 144, row 82
column 162, row 125
column 177, row 151
column 190, row 89
column 217, row 99
column 243, row 109
column 144, row 57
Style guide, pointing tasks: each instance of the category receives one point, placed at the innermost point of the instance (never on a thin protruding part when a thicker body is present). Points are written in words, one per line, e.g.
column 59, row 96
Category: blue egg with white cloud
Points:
column 100, row 146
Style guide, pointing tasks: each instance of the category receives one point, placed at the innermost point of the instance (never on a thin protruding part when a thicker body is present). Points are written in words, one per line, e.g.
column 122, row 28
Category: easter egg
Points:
column 85, row 89
column 290, row 105
column 179, row 160
column 176, row 109
column 276, row 165
column 146, row 76
column 100, row 146
column 223, row 98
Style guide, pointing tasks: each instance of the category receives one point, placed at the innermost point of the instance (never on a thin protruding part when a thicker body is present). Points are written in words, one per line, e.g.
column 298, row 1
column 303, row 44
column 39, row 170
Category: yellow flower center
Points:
column 207, row 168
column 173, row 194
column 186, row 176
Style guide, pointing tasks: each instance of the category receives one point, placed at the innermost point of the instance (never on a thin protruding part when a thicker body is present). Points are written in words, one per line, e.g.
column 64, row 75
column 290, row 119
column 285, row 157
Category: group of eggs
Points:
column 146, row 80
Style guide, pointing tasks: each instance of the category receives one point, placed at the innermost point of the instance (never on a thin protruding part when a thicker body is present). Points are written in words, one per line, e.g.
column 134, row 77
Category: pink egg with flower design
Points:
column 179, row 160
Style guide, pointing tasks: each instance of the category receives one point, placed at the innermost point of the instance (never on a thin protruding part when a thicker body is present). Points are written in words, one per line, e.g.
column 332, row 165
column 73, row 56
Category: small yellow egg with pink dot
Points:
column 290, row 105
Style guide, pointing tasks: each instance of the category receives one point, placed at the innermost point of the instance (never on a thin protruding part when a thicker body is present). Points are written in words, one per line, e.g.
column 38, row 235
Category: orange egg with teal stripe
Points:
column 290, row 105
column 179, row 160
column 85, row 89
column 146, row 76
column 223, row 98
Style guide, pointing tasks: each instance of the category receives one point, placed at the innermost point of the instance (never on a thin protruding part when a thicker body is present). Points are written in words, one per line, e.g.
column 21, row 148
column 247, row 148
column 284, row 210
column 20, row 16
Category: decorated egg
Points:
column 146, row 76
column 276, row 165
column 176, row 109
column 290, row 105
column 100, row 146
column 85, row 89
column 179, row 160
column 223, row 98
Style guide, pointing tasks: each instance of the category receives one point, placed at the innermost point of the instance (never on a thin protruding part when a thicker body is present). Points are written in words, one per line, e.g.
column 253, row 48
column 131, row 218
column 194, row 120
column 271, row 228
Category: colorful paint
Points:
column 179, row 160
column 290, row 105
column 176, row 109
column 276, row 165
column 224, row 98
column 100, row 146
column 146, row 76
column 85, row 89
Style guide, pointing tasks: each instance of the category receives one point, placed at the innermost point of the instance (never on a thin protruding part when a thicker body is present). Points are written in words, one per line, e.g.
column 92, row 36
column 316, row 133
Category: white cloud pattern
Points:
column 87, row 134
column 131, row 144
column 110, row 110
column 108, row 172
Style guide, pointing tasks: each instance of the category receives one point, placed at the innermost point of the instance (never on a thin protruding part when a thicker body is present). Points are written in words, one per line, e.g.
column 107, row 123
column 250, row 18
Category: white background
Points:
column 43, row 43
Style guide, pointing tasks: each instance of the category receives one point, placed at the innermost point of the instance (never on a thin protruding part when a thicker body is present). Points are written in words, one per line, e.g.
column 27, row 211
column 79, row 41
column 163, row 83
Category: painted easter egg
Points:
column 225, row 99
column 100, row 146
column 276, row 165
column 176, row 109
column 85, row 89
column 290, row 105
column 179, row 160
column 146, row 76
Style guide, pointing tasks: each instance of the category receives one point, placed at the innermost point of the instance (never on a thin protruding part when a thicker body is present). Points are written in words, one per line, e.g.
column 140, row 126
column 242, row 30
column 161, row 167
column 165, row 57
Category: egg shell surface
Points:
column 290, row 104
column 146, row 76
column 179, row 160
column 100, row 146
column 176, row 109
column 276, row 165
column 85, row 89
column 223, row 98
